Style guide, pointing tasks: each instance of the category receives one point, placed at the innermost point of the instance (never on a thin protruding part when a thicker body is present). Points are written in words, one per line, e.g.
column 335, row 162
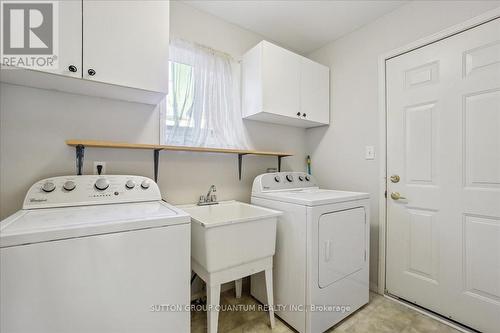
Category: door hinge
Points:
column 385, row 194
column 365, row 255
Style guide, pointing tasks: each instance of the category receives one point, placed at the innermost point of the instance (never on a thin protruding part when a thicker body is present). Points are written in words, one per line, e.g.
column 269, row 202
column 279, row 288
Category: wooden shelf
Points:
column 125, row 145
column 81, row 144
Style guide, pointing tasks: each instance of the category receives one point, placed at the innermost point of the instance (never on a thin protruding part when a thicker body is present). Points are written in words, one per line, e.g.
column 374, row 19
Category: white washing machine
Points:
column 322, row 249
column 96, row 254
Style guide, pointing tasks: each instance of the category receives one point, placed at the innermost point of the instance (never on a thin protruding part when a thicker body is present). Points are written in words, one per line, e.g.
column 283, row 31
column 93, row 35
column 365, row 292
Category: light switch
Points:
column 370, row 153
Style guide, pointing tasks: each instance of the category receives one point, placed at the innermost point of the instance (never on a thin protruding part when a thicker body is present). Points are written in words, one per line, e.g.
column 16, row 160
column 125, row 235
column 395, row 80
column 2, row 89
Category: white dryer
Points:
column 322, row 249
column 95, row 254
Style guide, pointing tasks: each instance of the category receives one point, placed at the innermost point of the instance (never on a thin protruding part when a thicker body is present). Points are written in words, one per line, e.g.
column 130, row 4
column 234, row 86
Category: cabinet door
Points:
column 315, row 91
column 70, row 38
column 67, row 35
column 126, row 43
column 341, row 245
column 281, row 75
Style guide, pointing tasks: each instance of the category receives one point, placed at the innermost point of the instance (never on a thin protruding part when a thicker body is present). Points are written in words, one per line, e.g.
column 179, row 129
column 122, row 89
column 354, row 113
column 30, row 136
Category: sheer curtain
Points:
column 203, row 106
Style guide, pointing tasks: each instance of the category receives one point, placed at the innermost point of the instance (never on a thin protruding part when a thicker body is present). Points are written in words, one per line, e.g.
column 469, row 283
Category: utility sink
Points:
column 231, row 233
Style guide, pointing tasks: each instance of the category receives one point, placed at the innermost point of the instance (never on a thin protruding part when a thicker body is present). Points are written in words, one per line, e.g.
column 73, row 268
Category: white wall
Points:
column 34, row 124
column 338, row 150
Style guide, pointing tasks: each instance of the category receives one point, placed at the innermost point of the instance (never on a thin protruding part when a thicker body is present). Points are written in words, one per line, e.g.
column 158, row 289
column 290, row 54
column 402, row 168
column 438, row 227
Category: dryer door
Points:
column 341, row 242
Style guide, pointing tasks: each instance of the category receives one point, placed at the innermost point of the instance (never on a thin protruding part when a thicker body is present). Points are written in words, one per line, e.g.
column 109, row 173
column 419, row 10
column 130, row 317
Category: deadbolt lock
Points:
column 395, row 178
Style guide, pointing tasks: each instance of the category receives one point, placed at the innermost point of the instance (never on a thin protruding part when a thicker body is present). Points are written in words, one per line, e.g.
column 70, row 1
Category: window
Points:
column 180, row 98
column 203, row 107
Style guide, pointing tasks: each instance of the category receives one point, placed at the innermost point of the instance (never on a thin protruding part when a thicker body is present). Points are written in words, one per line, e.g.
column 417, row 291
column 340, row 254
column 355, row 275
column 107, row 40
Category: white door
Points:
column 443, row 132
column 126, row 43
column 314, row 91
column 281, row 72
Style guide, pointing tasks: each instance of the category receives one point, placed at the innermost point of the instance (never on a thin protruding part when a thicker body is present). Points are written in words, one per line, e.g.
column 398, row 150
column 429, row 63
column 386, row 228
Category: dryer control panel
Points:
column 68, row 191
column 283, row 181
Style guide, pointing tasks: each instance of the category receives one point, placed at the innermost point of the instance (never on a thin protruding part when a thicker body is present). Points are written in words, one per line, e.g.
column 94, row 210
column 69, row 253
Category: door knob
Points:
column 395, row 178
column 72, row 68
column 396, row 196
column 91, row 72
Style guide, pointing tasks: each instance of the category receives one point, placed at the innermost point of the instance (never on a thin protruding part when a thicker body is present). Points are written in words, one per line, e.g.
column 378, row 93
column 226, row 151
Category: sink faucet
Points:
column 209, row 199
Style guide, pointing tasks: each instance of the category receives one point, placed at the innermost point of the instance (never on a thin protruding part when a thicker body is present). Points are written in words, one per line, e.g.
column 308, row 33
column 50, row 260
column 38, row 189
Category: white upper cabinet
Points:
column 126, row 43
column 282, row 87
column 109, row 48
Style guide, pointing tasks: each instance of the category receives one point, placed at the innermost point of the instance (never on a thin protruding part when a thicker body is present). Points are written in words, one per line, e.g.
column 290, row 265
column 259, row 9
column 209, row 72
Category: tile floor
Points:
column 381, row 315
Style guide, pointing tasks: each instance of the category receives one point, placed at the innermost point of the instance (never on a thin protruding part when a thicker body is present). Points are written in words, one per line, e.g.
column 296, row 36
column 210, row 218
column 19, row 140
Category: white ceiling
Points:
column 302, row 25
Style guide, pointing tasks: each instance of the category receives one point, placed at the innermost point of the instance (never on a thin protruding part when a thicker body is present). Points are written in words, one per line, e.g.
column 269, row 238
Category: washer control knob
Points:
column 301, row 178
column 289, row 178
column 48, row 187
column 145, row 184
column 101, row 184
column 130, row 184
column 277, row 179
column 308, row 178
column 69, row 185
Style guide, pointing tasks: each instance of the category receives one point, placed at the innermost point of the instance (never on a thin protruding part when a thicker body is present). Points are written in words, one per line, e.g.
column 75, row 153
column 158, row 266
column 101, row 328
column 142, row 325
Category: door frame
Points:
column 382, row 107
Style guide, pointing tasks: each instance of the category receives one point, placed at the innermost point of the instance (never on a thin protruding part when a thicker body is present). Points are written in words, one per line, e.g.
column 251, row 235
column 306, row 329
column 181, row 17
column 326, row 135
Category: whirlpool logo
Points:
column 29, row 34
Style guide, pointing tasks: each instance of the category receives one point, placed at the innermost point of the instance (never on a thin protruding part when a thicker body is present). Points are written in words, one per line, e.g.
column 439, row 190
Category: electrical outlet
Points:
column 96, row 167
column 370, row 153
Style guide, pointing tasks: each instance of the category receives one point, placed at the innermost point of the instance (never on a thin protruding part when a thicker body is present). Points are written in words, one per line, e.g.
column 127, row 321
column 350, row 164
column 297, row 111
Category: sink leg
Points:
column 213, row 298
column 270, row 297
column 238, row 285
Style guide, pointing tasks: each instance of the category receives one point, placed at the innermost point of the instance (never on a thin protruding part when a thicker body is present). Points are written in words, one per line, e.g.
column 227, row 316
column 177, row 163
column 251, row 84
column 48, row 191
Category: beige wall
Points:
column 338, row 150
column 34, row 124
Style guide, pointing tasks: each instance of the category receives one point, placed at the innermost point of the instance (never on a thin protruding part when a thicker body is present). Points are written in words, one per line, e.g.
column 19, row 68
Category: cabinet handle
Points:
column 72, row 68
column 298, row 114
column 91, row 72
column 327, row 250
column 304, row 115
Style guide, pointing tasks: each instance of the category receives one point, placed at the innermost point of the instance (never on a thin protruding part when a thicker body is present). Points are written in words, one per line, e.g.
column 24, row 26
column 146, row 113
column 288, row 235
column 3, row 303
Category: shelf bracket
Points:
column 279, row 163
column 80, row 152
column 156, row 161
column 240, row 164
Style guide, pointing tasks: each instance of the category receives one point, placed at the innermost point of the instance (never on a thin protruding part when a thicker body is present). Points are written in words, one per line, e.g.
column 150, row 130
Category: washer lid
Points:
column 42, row 225
column 313, row 196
